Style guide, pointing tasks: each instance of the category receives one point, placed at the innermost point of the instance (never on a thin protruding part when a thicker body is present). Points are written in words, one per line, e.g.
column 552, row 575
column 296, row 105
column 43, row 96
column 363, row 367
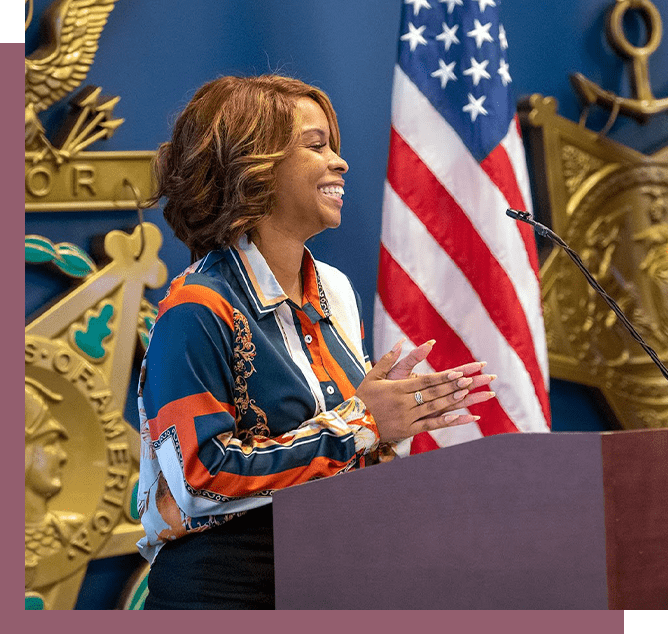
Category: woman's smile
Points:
column 309, row 182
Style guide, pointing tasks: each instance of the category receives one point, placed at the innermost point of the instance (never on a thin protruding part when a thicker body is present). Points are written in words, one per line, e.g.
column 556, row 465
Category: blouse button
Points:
column 308, row 338
column 330, row 390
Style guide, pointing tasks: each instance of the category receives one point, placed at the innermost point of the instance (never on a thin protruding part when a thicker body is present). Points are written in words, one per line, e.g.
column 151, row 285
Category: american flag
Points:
column 453, row 267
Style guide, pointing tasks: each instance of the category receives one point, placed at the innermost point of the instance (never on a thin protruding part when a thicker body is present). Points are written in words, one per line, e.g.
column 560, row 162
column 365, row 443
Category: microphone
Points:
column 525, row 216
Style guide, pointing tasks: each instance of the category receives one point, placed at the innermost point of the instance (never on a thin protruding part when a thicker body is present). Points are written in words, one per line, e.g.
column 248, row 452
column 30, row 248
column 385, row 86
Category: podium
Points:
column 515, row 521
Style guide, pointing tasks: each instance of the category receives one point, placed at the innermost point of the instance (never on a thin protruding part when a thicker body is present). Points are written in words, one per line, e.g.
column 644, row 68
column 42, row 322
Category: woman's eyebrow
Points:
column 319, row 131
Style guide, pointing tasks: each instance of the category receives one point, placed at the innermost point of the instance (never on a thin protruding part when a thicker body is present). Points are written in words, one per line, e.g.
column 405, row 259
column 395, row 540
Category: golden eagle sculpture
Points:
column 71, row 30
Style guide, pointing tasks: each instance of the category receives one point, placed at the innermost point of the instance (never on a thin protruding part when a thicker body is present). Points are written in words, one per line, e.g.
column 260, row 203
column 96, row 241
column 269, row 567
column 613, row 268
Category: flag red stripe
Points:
column 403, row 300
column 455, row 233
column 422, row 443
column 498, row 167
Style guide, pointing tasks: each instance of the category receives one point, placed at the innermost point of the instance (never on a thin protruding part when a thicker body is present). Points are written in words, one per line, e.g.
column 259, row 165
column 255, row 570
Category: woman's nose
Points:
column 337, row 164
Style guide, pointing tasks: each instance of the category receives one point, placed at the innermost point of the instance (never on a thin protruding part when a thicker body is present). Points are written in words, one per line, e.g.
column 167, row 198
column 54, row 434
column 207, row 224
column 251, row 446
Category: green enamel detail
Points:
column 90, row 341
column 73, row 261
column 144, row 339
column 134, row 511
column 39, row 250
column 69, row 258
column 35, row 603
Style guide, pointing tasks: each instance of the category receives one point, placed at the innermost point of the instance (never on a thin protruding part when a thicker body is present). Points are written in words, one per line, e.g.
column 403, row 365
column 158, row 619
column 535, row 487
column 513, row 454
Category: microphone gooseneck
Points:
column 525, row 216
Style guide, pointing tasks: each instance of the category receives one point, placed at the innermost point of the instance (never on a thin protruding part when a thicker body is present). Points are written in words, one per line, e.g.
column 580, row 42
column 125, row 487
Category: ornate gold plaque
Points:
column 81, row 455
column 610, row 204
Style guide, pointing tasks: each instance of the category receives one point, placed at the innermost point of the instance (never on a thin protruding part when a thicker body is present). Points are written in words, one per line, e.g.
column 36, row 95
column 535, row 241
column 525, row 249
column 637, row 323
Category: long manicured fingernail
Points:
column 492, row 377
column 482, row 364
column 397, row 346
column 431, row 342
column 458, row 396
column 491, row 394
column 450, row 418
column 451, row 376
column 464, row 382
column 475, row 418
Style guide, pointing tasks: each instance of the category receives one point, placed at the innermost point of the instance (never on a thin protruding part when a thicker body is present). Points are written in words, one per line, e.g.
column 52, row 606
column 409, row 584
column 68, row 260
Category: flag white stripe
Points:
column 442, row 151
column 514, row 146
column 447, row 289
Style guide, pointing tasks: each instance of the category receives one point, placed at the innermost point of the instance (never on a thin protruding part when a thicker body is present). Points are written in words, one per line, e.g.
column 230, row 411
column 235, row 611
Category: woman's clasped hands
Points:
column 404, row 404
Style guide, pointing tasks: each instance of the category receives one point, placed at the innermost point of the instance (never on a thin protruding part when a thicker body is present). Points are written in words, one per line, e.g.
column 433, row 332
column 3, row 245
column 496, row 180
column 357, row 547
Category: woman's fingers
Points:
column 403, row 369
column 474, row 398
column 470, row 368
column 423, row 381
column 433, row 423
column 385, row 363
column 452, row 396
column 480, row 380
column 435, row 399
column 452, row 386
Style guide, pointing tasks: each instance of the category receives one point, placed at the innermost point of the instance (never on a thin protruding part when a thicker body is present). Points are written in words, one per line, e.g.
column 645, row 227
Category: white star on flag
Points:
column 502, row 38
column 482, row 4
column 414, row 36
column 480, row 33
column 503, row 71
column 444, row 73
column 451, row 4
column 418, row 4
column 448, row 36
column 474, row 107
column 477, row 71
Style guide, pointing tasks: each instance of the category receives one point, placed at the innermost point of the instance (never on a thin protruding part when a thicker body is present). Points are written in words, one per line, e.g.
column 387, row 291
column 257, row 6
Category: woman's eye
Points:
column 317, row 146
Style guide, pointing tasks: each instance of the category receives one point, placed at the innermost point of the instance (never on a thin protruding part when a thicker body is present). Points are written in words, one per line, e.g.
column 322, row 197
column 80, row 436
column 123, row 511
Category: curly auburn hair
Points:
column 217, row 173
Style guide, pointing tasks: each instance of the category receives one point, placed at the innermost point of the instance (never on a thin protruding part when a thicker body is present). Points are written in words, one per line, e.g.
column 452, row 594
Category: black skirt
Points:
column 230, row 567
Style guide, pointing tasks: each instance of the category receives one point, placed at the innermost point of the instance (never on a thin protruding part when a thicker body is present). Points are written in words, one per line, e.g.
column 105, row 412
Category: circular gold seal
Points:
column 619, row 225
column 78, row 462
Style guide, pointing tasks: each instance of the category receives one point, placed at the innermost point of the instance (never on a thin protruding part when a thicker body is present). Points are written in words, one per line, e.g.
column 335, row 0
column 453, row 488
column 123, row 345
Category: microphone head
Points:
column 513, row 213
column 524, row 216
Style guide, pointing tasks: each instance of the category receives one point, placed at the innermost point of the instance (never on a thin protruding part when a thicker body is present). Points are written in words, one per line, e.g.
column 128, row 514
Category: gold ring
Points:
column 418, row 397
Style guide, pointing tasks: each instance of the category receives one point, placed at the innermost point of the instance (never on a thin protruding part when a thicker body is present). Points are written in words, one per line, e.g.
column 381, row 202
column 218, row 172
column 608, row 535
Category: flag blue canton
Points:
column 456, row 54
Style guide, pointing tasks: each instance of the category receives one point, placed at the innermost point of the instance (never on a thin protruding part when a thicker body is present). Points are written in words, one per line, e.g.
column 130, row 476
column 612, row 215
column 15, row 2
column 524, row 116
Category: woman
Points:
column 256, row 376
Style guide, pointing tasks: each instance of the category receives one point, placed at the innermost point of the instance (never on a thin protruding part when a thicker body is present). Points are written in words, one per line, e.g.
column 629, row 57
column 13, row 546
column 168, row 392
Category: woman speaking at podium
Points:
column 256, row 377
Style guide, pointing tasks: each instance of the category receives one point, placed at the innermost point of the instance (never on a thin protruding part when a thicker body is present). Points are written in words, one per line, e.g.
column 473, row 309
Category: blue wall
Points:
column 155, row 53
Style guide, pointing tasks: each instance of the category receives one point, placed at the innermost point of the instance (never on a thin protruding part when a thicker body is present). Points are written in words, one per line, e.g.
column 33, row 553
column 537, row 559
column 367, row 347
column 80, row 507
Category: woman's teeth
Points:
column 332, row 190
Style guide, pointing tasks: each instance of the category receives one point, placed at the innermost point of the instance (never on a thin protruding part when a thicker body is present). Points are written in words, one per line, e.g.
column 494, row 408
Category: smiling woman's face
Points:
column 309, row 181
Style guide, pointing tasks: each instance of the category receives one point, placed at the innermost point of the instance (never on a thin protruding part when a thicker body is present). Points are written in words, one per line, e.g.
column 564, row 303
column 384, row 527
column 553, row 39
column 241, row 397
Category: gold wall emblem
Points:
column 81, row 454
column 610, row 204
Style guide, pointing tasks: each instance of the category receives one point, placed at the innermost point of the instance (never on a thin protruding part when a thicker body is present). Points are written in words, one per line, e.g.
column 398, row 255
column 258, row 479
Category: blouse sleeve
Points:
column 188, row 410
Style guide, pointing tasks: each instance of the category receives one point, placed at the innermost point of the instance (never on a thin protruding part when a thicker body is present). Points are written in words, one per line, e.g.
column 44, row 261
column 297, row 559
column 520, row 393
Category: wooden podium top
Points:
column 516, row 521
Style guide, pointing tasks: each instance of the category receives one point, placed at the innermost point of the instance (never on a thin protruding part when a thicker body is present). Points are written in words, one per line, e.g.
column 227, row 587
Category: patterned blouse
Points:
column 242, row 392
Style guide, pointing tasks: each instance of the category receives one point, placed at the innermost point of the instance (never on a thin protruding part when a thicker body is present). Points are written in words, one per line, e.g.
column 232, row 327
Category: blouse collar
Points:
column 262, row 287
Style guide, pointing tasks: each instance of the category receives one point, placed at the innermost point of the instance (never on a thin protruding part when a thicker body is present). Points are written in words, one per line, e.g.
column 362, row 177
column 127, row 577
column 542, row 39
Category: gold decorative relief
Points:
column 59, row 174
column 82, row 456
column 610, row 204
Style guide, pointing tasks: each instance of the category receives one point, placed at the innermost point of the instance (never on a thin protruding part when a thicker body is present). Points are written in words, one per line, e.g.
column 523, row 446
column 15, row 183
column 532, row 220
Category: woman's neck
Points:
column 283, row 253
